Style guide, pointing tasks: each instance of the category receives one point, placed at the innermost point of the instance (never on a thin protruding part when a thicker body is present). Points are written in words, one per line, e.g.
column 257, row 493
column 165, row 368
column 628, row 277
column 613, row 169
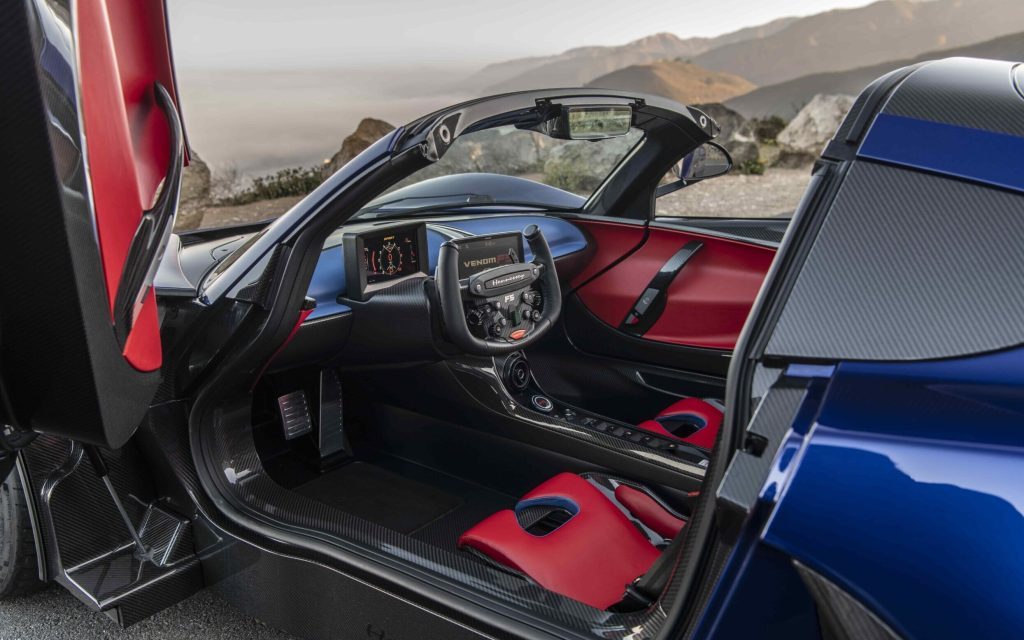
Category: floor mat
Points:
column 406, row 497
column 476, row 501
column 381, row 496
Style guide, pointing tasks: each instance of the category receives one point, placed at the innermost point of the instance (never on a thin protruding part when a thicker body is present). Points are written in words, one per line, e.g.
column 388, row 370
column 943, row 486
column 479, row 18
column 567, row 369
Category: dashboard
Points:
column 336, row 282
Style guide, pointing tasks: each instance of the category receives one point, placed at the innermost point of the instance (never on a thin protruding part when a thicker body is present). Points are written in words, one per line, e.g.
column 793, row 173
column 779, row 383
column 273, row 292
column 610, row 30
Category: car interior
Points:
column 518, row 403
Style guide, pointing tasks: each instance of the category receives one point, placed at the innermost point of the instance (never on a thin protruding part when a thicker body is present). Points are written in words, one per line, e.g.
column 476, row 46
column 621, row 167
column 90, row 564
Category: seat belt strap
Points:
column 646, row 589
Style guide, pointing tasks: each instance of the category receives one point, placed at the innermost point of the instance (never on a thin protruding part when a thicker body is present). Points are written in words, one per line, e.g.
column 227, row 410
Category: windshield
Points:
column 504, row 167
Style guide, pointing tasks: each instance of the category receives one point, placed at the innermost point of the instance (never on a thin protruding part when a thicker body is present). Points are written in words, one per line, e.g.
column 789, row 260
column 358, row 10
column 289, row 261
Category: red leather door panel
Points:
column 123, row 50
column 610, row 241
column 708, row 301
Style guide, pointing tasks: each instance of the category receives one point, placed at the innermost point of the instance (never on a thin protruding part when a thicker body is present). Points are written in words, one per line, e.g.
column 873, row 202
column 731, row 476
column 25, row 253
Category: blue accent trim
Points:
column 810, row 370
column 324, row 287
column 962, row 152
column 434, row 242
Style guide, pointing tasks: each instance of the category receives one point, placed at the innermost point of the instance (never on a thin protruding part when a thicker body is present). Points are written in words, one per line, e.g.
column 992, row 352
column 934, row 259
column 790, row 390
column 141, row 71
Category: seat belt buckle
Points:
column 633, row 599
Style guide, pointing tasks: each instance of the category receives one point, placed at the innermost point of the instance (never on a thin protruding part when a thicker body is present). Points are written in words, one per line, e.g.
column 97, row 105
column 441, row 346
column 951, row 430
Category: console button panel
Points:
column 530, row 397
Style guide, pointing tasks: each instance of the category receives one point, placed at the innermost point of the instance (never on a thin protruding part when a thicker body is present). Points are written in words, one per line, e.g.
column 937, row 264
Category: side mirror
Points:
column 709, row 160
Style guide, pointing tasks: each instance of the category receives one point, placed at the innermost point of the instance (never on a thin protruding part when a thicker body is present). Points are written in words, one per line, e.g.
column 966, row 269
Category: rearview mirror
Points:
column 598, row 122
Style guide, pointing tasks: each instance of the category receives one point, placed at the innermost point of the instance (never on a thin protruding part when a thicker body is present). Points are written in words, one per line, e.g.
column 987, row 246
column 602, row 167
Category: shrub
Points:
column 767, row 130
column 570, row 176
column 751, row 167
column 294, row 181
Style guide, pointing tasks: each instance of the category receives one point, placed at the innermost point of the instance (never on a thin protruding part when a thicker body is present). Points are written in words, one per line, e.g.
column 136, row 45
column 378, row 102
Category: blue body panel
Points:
column 328, row 280
column 961, row 152
column 909, row 494
column 328, row 283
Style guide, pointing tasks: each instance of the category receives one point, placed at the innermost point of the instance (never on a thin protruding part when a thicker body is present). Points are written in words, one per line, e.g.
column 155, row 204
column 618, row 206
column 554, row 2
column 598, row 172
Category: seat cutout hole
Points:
column 682, row 426
column 549, row 521
column 542, row 516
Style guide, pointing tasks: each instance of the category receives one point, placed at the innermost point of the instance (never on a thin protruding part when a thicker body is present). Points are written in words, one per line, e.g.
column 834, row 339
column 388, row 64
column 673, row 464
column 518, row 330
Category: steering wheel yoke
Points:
column 503, row 309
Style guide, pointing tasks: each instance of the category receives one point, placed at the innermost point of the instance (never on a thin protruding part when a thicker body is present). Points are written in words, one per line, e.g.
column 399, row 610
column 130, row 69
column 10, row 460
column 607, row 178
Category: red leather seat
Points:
column 689, row 420
column 589, row 557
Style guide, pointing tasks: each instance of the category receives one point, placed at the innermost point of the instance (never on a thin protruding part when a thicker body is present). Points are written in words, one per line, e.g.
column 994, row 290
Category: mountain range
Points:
column 776, row 67
column 785, row 99
column 681, row 81
column 850, row 38
column 579, row 66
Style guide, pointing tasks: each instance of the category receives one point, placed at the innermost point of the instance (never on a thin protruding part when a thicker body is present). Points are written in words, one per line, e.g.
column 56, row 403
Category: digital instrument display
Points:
column 483, row 253
column 390, row 255
column 377, row 258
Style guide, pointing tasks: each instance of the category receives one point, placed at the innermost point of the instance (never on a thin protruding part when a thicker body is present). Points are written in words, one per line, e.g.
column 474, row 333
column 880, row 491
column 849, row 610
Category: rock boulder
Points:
column 815, row 124
column 370, row 130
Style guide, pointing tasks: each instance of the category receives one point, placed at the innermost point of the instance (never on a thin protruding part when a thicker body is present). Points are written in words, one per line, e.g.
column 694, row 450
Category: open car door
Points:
column 91, row 180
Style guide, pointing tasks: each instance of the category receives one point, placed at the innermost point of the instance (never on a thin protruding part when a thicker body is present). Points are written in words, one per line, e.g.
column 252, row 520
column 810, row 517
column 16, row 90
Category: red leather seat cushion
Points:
column 590, row 558
column 706, row 412
column 647, row 510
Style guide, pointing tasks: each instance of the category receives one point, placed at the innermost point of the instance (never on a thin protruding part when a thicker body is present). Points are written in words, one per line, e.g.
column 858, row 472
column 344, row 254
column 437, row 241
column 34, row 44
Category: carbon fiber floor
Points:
column 423, row 503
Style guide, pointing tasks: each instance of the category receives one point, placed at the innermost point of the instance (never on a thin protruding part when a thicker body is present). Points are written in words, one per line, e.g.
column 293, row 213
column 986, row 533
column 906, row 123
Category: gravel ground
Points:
column 54, row 614
column 777, row 192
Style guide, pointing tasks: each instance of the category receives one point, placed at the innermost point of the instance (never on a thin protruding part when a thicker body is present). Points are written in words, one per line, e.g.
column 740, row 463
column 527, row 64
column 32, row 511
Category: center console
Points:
column 524, row 390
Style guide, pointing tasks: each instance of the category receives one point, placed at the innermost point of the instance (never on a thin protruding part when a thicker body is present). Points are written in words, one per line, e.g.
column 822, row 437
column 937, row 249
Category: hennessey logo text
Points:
column 500, row 282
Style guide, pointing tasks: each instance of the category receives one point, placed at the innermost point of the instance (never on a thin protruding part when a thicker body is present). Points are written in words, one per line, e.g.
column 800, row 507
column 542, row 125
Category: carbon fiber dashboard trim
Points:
column 908, row 266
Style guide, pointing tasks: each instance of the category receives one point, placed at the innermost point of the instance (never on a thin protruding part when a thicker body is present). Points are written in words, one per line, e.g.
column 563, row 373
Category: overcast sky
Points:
column 449, row 33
